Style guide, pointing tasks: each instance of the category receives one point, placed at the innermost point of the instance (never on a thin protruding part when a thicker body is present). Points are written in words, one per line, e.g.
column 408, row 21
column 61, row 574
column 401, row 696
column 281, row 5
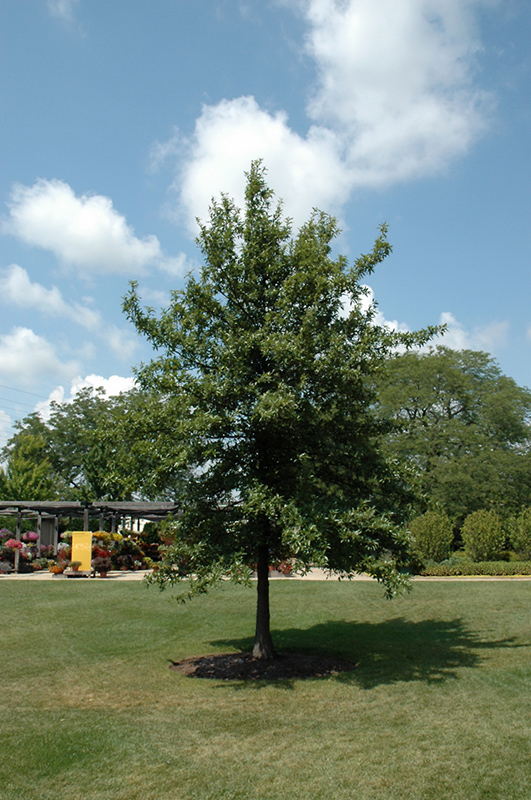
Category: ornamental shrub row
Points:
column 485, row 538
column 493, row 568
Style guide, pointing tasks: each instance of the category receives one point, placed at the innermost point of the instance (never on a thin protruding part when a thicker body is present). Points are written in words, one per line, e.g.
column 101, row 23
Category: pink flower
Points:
column 14, row 545
column 30, row 536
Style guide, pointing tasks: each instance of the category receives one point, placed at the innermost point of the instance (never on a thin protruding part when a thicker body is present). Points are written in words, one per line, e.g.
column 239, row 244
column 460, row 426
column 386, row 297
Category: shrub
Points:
column 520, row 534
column 432, row 536
column 483, row 536
column 492, row 568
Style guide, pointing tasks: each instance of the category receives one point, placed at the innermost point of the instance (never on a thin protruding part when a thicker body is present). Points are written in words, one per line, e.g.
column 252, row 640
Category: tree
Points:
column 28, row 474
column 462, row 426
column 85, row 447
column 89, row 446
column 520, row 533
column 267, row 375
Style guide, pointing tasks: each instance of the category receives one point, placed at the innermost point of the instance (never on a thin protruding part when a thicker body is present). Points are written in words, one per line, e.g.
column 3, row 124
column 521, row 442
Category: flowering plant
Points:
column 13, row 544
column 63, row 551
column 5, row 533
column 100, row 552
column 30, row 536
column 102, row 564
column 41, row 563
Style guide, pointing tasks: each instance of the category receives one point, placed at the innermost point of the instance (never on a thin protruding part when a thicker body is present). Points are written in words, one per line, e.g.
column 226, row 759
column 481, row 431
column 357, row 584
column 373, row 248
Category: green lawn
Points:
column 439, row 706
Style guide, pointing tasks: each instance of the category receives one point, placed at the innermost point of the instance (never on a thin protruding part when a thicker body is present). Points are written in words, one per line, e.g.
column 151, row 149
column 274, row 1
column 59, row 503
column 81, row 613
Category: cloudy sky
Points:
column 120, row 119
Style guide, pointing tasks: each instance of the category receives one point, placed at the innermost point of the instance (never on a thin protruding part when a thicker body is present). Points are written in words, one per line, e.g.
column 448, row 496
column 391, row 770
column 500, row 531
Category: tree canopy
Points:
column 28, row 473
column 88, row 449
column 464, row 428
column 265, row 358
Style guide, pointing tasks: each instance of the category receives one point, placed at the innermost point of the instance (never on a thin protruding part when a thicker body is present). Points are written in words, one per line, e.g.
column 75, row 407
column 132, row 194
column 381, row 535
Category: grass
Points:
column 439, row 706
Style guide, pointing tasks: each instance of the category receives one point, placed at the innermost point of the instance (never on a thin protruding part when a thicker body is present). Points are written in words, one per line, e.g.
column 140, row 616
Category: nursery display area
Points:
column 115, row 542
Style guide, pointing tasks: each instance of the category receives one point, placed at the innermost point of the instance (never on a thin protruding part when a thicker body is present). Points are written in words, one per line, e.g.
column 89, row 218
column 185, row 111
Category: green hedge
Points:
column 480, row 568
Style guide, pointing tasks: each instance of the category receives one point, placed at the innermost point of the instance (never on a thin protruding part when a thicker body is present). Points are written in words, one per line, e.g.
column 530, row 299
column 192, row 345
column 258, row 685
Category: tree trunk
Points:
column 263, row 643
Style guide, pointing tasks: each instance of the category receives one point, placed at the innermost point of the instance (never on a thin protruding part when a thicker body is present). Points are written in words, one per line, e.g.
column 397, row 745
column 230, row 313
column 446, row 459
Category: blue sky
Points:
column 120, row 119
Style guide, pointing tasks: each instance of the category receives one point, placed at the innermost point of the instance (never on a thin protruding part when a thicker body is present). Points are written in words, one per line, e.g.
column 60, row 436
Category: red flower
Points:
column 14, row 545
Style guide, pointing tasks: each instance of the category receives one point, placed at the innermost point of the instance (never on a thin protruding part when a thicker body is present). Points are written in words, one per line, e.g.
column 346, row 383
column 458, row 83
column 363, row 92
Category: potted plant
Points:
column 102, row 564
column 39, row 564
column 57, row 569
column 75, row 565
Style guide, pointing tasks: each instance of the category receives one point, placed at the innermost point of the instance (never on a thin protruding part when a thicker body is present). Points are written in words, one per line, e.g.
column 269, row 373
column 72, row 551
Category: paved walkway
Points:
column 312, row 575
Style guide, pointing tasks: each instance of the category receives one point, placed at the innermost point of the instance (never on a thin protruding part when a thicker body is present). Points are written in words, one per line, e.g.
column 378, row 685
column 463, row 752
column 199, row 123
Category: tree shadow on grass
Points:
column 430, row 651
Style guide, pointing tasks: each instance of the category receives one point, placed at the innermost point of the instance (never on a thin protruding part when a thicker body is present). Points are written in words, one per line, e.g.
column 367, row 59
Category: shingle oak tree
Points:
column 265, row 358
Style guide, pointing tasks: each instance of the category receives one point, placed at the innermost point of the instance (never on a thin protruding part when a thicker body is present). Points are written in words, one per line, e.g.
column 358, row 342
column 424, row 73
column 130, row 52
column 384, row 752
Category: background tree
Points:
column 272, row 407
column 520, row 533
column 462, row 426
column 89, row 448
column 28, row 474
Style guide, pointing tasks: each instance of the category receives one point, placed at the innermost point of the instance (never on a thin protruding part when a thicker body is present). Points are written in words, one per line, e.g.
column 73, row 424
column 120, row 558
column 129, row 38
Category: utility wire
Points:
column 23, row 391
column 16, row 402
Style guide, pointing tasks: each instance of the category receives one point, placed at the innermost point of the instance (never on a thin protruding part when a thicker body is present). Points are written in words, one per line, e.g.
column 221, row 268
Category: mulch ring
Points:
column 243, row 667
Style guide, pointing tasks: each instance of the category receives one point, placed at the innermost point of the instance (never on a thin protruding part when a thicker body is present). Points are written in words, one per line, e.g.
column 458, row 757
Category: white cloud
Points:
column 62, row 8
column 25, row 356
column 366, row 302
column 176, row 267
column 111, row 386
column 44, row 409
column 122, row 342
column 486, row 337
column 162, row 151
column 83, row 232
column 394, row 100
column 17, row 288
column 396, row 79
column 306, row 172
column 155, row 297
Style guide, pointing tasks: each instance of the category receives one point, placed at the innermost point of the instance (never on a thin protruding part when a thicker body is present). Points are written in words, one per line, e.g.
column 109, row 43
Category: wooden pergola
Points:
column 48, row 513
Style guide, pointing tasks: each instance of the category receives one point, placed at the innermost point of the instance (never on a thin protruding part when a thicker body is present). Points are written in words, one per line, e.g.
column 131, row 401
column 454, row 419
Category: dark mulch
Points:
column 243, row 667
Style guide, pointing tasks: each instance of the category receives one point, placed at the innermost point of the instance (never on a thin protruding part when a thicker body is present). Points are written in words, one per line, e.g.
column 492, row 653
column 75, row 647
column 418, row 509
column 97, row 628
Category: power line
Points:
column 23, row 391
column 16, row 402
